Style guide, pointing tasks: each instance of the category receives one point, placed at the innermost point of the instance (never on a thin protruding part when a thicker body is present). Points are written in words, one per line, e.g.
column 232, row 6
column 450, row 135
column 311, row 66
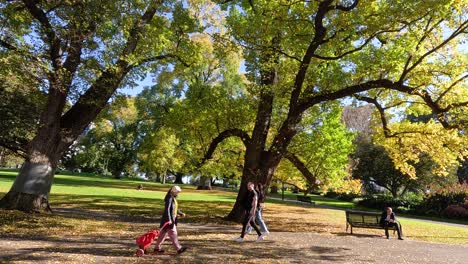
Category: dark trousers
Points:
column 249, row 219
column 386, row 225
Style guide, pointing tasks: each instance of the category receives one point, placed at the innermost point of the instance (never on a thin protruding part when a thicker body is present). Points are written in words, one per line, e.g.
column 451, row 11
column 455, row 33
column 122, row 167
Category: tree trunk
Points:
column 2, row 157
column 256, row 173
column 204, row 184
column 274, row 189
column 178, row 177
column 30, row 191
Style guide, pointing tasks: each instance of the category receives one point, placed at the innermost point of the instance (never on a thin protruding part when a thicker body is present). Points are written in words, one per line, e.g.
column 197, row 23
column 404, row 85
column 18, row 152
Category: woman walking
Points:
column 169, row 221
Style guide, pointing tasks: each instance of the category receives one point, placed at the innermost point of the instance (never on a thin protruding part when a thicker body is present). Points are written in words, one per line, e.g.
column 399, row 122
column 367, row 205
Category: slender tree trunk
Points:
column 2, row 157
column 274, row 189
column 178, row 177
column 204, row 184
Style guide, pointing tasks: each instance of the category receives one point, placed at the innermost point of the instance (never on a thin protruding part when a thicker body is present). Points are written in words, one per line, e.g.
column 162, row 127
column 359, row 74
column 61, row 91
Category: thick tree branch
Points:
column 95, row 98
column 222, row 136
column 18, row 148
column 52, row 39
column 311, row 178
column 74, row 51
column 348, row 91
column 381, row 110
column 320, row 32
column 439, row 112
column 13, row 48
column 8, row 46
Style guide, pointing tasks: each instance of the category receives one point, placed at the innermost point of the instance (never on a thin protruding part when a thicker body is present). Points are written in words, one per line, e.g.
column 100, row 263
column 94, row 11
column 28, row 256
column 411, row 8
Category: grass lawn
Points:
column 87, row 195
column 318, row 199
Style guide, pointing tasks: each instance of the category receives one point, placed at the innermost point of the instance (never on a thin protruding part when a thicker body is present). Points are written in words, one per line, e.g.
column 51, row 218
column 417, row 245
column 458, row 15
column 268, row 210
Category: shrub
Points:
column 331, row 194
column 435, row 203
column 348, row 197
column 400, row 204
column 380, row 202
column 455, row 211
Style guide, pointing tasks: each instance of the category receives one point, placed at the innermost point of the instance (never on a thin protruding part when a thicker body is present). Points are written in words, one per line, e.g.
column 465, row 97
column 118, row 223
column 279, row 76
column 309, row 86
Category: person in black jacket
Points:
column 169, row 221
column 259, row 213
column 388, row 219
column 249, row 204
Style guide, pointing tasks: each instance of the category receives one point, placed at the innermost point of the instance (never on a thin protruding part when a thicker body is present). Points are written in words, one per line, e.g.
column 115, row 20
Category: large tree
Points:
column 375, row 168
column 319, row 152
column 303, row 53
column 83, row 51
column 110, row 144
column 190, row 106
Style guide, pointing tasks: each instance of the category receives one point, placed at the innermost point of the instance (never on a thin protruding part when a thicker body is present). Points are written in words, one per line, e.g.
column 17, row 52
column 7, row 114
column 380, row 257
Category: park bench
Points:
column 305, row 199
column 362, row 219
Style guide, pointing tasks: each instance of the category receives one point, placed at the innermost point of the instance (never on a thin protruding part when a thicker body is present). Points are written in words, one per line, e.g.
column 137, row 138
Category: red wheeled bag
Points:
column 146, row 240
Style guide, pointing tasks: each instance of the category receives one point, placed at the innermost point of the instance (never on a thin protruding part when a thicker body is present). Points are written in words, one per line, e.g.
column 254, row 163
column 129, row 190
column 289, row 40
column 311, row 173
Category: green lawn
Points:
column 318, row 199
column 120, row 197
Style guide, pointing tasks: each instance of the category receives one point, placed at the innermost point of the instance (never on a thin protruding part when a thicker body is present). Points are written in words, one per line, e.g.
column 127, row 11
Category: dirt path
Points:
column 214, row 244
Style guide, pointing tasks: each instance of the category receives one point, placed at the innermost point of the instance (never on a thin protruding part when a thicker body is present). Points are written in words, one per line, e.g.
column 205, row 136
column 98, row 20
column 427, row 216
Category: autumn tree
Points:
column 110, row 144
column 376, row 169
column 190, row 106
column 319, row 152
column 394, row 54
column 84, row 51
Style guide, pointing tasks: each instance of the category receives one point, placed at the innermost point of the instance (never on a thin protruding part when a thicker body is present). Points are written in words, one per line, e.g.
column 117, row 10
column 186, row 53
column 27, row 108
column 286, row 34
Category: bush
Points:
column 331, row 194
column 347, row 197
column 435, row 203
column 401, row 204
column 456, row 211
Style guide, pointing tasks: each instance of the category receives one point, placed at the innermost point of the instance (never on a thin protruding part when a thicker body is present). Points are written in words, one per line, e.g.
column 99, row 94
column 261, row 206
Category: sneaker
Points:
column 239, row 239
column 260, row 238
column 181, row 250
column 266, row 233
column 400, row 238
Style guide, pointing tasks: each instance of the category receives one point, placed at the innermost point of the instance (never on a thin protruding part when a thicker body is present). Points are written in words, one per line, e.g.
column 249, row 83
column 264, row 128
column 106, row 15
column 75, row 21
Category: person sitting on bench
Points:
column 388, row 219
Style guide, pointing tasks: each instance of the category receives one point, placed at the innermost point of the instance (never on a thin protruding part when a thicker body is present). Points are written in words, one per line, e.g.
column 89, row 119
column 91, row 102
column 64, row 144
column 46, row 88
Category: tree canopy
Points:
column 405, row 58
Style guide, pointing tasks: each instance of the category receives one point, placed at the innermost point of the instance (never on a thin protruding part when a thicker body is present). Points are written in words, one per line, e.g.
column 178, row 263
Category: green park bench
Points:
column 362, row 219
column 305, row 199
